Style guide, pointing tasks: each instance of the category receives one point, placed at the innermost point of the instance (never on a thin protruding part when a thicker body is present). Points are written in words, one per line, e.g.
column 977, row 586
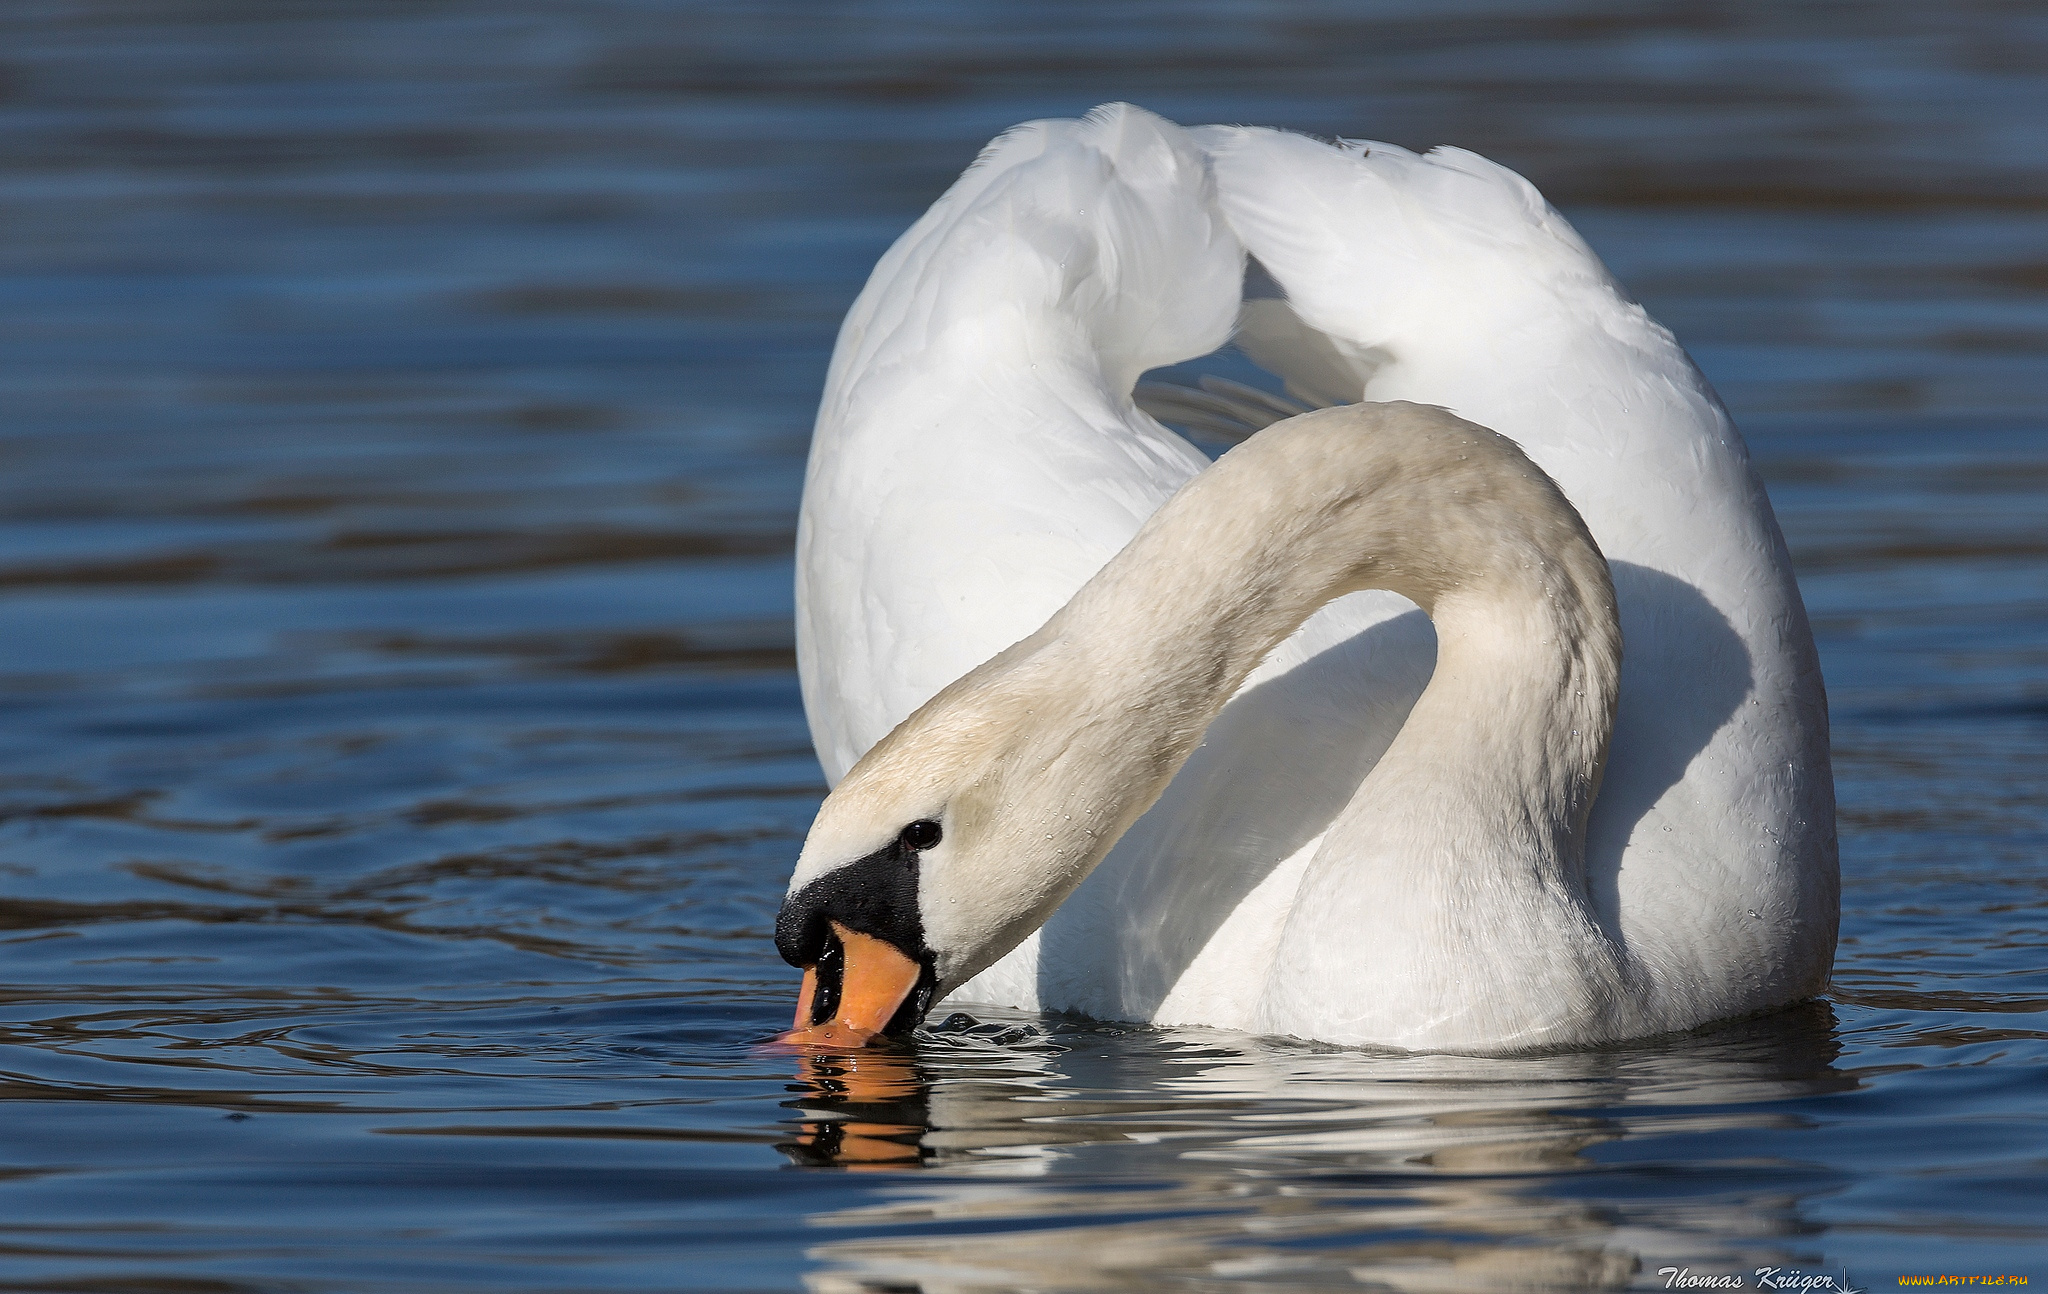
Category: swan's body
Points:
column 978, row 458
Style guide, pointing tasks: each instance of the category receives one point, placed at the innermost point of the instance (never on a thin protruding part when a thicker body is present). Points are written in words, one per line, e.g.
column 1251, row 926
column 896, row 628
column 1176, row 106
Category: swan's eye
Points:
column 922, row 834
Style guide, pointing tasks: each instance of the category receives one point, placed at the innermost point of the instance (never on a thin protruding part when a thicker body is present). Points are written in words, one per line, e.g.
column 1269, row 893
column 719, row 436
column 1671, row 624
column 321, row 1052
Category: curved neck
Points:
column 1391, row 496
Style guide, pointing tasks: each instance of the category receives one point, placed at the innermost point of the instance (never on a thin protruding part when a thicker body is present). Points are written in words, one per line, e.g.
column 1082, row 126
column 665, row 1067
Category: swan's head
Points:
column 947, row 844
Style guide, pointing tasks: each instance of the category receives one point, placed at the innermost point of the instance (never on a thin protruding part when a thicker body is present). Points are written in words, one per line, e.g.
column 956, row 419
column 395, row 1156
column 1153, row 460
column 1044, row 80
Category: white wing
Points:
column 977, row 455
column 1446, row 279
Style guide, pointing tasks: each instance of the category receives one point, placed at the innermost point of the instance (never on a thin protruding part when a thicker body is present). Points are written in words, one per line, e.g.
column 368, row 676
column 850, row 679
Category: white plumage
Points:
column 978, row 456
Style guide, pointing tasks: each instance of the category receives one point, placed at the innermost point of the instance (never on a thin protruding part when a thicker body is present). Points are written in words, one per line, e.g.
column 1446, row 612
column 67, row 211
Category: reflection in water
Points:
column 1289, row 1162
column 871, row 1110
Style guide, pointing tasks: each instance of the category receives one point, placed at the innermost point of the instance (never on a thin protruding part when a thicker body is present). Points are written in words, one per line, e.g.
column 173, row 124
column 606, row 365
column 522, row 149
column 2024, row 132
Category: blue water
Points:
column 405, row 406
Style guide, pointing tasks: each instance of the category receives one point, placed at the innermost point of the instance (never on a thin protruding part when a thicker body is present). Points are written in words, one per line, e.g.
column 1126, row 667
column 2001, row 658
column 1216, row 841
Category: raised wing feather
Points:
column 1446, row 279
column 977, row 455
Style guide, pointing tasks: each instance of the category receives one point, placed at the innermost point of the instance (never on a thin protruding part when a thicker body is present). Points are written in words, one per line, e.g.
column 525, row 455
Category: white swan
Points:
column 979, row 457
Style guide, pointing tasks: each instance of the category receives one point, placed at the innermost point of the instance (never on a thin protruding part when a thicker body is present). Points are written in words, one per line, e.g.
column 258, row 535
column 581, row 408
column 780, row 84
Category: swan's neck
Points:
column 1515, row 719
column 1096, row 712
column 1400, row 497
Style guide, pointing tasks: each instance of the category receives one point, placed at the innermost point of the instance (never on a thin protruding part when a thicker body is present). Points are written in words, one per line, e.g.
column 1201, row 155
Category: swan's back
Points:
column 977, row 456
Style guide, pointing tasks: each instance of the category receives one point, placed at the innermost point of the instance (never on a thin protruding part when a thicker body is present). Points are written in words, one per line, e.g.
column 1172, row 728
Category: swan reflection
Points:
column 1256, row 1160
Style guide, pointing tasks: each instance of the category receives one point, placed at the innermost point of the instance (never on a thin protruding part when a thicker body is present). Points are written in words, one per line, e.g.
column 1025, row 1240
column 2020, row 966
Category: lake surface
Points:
column 405, row 409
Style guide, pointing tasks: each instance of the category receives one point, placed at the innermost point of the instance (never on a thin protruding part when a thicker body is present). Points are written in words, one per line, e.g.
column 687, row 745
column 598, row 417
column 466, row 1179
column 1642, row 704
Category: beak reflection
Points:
column 873, row 1103
column 853, row 992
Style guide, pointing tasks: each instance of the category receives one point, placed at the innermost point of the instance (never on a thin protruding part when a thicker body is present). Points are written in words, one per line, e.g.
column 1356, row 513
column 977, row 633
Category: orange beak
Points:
column 872, row 988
